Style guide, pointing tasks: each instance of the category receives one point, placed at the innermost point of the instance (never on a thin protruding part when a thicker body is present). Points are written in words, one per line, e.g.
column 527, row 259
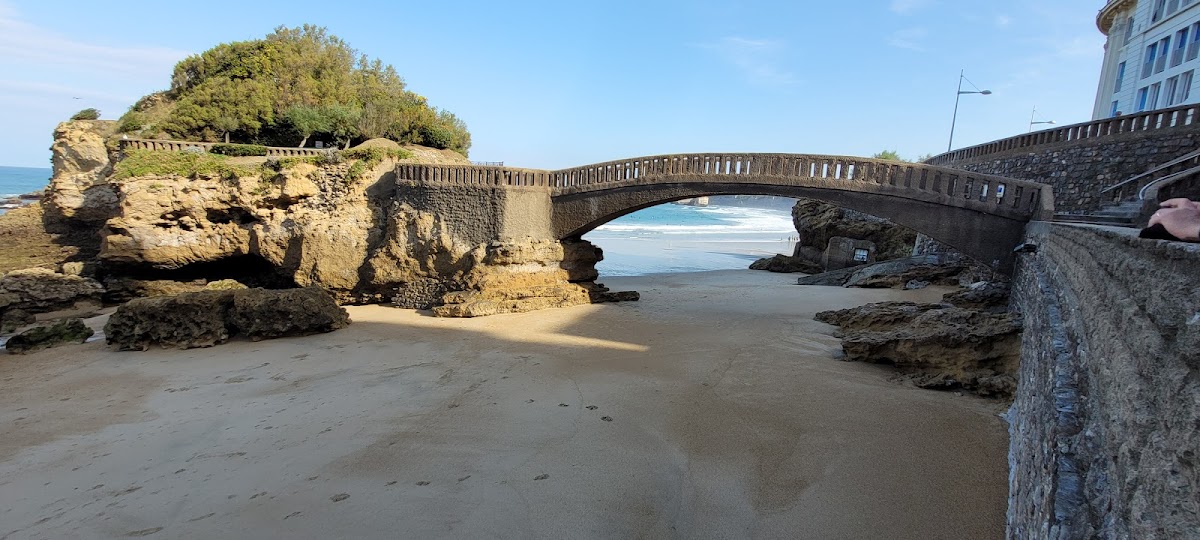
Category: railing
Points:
column 488, row 163
column 1025, row 198
column 1177, row 117
column 1125, row 189
column 179, row 146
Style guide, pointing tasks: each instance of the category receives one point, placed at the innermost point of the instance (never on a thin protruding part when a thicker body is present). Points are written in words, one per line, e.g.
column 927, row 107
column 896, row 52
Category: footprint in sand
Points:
column 541, row 477
column 340, row 497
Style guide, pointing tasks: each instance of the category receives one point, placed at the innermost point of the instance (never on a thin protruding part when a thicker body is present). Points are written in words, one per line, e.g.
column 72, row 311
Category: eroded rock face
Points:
column 786, row 264
column 519, row 276
column 934, row 345
column 44, row 337
column 207, row 318
column 38, row 290
column 818, row 222
column 78, row 193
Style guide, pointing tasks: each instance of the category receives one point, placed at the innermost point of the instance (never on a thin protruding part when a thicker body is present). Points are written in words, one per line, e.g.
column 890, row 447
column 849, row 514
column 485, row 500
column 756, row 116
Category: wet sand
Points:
column 713, row 408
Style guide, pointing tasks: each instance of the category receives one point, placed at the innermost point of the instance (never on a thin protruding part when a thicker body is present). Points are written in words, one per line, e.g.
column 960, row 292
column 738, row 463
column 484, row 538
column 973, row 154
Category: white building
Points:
column 1151, row 56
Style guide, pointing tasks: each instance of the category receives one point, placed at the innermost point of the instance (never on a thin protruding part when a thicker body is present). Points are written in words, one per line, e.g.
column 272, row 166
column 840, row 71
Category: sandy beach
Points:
column 713, row 408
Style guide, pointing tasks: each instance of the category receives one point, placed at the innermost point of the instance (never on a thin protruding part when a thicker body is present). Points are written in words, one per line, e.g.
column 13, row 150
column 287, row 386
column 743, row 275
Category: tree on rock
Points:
column 293, row 85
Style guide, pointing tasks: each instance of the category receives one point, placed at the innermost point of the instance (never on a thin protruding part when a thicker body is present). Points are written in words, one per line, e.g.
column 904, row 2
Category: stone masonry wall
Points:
column 1078, row 170
column 1106, row 423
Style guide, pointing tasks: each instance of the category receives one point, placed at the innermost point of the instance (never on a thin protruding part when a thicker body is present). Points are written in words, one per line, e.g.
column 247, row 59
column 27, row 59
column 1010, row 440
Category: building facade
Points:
column 1151, row 56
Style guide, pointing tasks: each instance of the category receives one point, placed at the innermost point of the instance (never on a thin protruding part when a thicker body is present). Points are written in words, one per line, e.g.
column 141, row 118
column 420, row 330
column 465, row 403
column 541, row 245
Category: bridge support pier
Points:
column 491, row 250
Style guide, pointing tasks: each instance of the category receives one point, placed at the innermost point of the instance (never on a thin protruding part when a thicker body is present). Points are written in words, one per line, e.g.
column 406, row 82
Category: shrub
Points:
column 86, row 114
column 437, row 136
column 132, row 121
column 227, row 149
column 372, row 156
column 186, row 164
column 331, row 156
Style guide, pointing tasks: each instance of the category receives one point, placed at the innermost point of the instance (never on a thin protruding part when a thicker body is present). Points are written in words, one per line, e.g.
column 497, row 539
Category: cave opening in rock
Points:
column 249, row 270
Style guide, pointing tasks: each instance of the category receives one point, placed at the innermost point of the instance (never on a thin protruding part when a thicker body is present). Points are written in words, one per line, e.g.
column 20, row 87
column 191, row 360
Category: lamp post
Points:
column 954, row 121
column 1032, row 123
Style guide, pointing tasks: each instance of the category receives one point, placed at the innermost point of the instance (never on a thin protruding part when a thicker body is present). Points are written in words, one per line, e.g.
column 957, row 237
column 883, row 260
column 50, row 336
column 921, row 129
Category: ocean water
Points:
column 20, row 180
column 675, row 238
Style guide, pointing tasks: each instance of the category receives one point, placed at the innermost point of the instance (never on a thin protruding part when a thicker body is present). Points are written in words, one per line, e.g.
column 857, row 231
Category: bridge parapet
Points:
column 1018, row 199
column 1162, row 119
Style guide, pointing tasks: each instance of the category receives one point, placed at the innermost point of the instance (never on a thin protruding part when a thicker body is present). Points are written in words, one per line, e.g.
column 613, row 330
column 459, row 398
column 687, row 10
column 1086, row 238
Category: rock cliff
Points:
column 346, row 227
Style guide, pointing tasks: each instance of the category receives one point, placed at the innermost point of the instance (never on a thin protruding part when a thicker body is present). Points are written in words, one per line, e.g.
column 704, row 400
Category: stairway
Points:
column 1128, row 196
column 1119, row 214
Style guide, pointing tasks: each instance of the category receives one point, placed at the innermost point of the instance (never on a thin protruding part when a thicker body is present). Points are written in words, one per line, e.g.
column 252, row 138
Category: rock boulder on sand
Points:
column 207, row 318
column 787, row 264
column 38, row 290
column 43, row 337
column 934, row 345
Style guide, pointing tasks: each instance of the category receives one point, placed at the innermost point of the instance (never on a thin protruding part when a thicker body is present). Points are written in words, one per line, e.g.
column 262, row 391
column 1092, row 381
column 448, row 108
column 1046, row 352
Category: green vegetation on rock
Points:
column 296, row 85
column 86, row 114
column 186, row 164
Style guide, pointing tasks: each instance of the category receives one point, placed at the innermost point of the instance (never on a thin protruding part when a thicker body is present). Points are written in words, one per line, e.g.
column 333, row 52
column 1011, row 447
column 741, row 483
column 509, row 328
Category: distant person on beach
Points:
column 1180, row 218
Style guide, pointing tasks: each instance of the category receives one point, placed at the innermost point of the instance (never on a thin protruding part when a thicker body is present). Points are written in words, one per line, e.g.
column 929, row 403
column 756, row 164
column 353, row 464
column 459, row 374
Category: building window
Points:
column 1141, row 98
column 1194, row 47
column 1155, row 89
column 1158, row 10
column 860, row 255
column 1172, row 7
column 1148, row 64
column 1114, row 111
column 1120, row 77
column 1185, row 87
column 1180, row 46
column 1128, row 30
column 1164, row 47
column 1169, row 91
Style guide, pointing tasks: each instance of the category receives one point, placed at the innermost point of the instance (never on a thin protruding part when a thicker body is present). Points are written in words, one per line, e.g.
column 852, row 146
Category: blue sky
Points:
column 559, row 84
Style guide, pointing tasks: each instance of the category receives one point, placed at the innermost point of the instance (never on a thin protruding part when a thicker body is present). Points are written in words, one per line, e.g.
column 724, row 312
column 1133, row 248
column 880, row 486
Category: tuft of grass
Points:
column 186, row 164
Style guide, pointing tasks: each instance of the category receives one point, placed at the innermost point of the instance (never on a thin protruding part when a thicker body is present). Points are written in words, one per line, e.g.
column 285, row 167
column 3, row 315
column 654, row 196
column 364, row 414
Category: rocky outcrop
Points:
column 38, row 290
column 934, row 345
column 79, row 194
column 207, row 318
column 818, row 222
column 44, row 337
column 910, row 272
column 787, row 264
column 527, row 275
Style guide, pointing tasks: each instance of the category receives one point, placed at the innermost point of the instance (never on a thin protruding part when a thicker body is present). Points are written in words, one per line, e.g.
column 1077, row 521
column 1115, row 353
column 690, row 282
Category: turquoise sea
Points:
column 20, row 180
column 673, row 238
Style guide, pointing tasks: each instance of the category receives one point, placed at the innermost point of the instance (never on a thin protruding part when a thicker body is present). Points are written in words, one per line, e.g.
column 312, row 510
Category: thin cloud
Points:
column 908, row 38
column 22, row 42
column 1003, row 20
column 757, row 59
column 907, row 7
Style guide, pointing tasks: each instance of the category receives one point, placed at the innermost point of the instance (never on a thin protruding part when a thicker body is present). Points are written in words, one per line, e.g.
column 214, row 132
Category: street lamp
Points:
column 954, row 121
column 1033, row 123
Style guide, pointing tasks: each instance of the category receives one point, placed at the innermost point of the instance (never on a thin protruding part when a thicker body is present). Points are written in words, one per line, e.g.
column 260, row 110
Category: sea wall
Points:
column 1106, row 423
column 1079, row 169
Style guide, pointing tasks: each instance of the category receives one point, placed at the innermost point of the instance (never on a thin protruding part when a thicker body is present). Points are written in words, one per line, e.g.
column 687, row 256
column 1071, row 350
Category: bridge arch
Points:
column 983, row 216
column 980, row 215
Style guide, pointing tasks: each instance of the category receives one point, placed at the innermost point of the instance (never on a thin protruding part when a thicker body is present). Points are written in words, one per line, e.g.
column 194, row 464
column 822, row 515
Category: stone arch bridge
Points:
column 981, row 215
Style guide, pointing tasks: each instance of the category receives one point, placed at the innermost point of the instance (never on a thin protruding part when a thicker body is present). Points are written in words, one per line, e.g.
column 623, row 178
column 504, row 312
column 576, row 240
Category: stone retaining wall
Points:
column 1080, row 160
column 1106, row 422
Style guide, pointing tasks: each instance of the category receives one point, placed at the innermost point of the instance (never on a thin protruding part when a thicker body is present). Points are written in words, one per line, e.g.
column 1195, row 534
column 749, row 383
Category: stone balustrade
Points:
column 1163, row 119
column 994, row 194
column 179, row 146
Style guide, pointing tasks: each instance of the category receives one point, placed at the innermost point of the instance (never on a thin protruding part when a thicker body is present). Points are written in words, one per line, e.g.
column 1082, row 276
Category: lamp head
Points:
column 986, row 92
